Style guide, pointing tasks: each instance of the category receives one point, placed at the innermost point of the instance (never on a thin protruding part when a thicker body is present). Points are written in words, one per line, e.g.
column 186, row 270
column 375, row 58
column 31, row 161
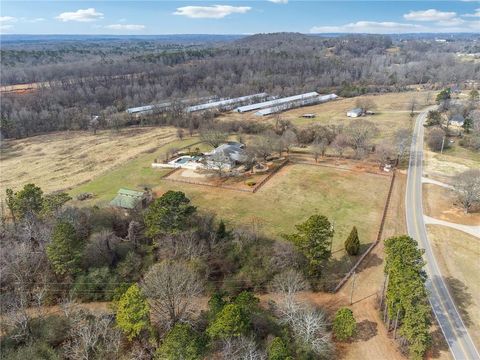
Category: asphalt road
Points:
column 453, row 328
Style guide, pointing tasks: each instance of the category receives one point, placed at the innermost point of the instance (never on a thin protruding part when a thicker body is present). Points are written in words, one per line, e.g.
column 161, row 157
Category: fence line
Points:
column 379, row 237
column 274, row 171
column 254, row 189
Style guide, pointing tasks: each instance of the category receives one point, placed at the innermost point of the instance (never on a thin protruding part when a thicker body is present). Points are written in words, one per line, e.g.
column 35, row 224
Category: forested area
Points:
column 82, row 80
column 156, row 268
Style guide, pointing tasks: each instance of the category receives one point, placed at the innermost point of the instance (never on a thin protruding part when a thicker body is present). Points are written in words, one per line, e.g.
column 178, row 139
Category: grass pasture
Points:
column 66, row 159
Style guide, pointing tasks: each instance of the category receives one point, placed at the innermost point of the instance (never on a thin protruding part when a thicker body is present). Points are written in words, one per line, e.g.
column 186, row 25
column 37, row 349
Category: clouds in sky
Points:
column 126, row 27
column 6, row 22
column 81, row 15
column 367, row 27
column 429, row 15
column 279, row 1
column 211, row 12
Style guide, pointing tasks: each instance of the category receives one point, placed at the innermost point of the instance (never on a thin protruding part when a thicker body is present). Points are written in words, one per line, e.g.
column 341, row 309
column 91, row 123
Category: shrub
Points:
column 36, row 350
column 132, row 312
column 250, row 183
column 231, row 321
column 182, row 342
column 278, row 350
column 344, row 325
column 97, row 285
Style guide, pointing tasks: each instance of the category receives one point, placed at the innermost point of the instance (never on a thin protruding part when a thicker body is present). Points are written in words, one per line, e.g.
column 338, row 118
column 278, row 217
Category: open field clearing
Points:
column 63, row 160
column 440, row 203
column 458, row 256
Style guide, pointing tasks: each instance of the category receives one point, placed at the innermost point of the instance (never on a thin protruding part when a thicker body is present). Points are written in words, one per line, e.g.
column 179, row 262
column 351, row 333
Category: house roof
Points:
column 458, row 118
column 233, row 150
column 127, row 199
column 356, row 111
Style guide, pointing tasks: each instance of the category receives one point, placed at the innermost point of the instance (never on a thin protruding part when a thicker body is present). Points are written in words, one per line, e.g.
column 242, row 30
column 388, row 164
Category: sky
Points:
column 236, row 17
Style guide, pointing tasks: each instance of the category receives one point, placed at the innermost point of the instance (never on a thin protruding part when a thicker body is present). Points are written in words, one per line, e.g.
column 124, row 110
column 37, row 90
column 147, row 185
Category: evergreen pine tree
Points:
column 352, row 244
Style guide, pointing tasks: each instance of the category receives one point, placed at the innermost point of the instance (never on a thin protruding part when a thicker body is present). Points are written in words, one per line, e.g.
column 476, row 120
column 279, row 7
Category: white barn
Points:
column 355, row 112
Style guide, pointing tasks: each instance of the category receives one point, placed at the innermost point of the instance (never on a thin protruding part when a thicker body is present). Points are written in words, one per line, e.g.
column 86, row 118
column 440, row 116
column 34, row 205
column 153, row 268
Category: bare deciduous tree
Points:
column 289, row 139
column 92, row 337
column 402, row 140
column 366, row 104
column 467, row 186
column 241, row 348
column 384, row 153
column 319, row 147
column 289, row 283
column 309, row 326
column 213, row 136
column 340, row 143
column 171, row 288
column 436, row 139
column 359, row 134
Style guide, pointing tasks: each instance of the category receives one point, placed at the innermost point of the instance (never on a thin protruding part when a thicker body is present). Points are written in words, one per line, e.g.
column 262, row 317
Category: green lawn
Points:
column 134, row 174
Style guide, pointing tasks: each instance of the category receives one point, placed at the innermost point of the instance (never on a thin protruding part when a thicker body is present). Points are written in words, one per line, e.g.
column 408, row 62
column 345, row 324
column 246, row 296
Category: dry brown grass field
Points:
column 63, row 160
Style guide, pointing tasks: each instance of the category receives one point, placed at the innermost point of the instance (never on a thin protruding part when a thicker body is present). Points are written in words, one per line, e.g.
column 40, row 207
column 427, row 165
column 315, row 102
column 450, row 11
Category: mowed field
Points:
column 458, row 256
column 392, row 112
column 63, row 160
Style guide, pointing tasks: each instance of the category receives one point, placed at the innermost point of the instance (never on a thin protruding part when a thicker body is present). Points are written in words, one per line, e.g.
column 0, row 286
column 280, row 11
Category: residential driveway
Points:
column 469, row 229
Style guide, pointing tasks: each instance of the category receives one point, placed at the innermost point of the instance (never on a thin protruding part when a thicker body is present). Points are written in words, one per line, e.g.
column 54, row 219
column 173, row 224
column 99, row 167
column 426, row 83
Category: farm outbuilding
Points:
column 226, row 103
column 355, row 112
column 295, row 104
column 129, row 199
column 276, row 102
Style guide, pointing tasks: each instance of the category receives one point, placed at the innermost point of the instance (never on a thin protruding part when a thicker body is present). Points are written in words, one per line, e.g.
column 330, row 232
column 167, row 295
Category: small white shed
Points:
column 355, row 112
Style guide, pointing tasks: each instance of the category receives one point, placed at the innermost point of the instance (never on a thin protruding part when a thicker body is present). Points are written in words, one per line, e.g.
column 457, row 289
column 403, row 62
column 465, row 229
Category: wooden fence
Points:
column 379, row 237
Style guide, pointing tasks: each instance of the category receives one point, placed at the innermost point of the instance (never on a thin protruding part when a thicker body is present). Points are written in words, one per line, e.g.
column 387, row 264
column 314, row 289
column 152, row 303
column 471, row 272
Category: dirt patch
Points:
column 441, row 203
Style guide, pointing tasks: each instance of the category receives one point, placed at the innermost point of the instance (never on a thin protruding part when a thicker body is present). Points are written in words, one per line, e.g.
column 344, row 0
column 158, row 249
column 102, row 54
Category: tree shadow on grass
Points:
column 461, row 296
column 366, row 330
column 438, row 345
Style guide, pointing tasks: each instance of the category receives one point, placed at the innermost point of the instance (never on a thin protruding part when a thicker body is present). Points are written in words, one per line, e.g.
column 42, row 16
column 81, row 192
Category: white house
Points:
column 355, row 112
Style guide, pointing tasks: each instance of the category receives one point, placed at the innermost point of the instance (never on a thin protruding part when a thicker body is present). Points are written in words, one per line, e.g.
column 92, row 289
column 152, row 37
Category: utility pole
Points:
column 333, row 230
column 353, row 287
column 443, row 143
column 385, row 281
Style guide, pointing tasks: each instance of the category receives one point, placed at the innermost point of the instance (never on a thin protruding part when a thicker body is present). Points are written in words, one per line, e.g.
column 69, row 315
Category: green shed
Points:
column 129, row 199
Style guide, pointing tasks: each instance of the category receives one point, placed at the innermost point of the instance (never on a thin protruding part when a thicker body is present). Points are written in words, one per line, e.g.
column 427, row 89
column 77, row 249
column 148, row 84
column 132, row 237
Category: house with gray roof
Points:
column 457, row 120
